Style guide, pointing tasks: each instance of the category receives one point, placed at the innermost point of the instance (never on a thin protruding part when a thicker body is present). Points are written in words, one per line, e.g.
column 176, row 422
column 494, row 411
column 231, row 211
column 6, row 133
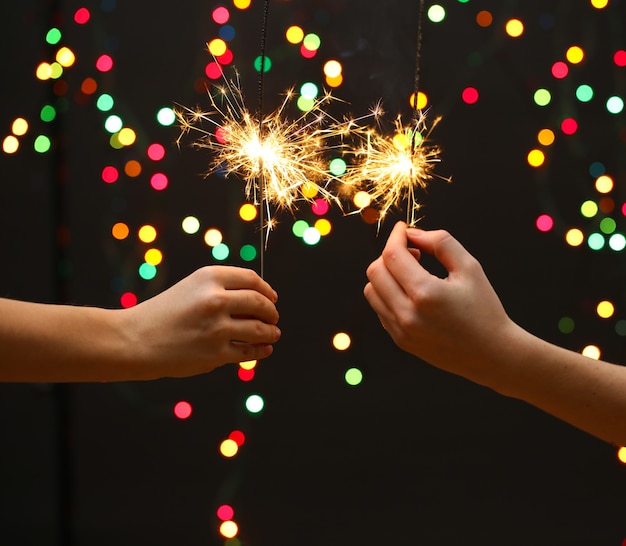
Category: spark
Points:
column 281, row 161
column 393, row 169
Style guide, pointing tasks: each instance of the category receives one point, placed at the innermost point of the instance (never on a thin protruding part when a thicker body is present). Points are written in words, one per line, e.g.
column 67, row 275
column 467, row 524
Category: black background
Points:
column 410, row 456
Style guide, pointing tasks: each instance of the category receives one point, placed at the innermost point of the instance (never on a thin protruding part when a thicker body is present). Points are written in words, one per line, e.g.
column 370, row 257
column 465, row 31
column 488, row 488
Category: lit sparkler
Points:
column 393, row 169
column 280, row 160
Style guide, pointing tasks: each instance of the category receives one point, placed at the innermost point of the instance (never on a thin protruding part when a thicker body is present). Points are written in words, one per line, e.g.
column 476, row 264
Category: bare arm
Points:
column 458, row 324
column 214, row 316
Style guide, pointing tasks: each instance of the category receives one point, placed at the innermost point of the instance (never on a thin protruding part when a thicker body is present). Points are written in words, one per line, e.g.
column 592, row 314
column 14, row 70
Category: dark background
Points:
column 410, row 456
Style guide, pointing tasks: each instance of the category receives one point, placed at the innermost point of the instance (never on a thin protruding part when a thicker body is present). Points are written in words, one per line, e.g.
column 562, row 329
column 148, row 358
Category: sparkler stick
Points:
column 393, row 169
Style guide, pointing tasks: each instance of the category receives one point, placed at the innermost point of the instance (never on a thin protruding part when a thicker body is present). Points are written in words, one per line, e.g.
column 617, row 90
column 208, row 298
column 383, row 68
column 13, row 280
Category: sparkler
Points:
column 392, row 169
column 281, row 161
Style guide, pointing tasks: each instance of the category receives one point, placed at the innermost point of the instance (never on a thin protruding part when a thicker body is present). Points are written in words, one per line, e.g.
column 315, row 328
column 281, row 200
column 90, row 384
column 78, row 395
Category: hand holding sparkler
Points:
column 459, row 325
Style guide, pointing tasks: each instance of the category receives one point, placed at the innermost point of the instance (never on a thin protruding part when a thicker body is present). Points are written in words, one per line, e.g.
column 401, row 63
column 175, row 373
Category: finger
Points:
column 443, row 246
column 254, row 332
column 249, row 303
column 236, row 278
column 401, row 261
column 241, row 352
column 387, row 289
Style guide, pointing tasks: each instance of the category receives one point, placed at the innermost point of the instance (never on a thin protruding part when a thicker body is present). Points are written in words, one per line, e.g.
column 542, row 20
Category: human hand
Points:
column 455, row 323
column 216, row 315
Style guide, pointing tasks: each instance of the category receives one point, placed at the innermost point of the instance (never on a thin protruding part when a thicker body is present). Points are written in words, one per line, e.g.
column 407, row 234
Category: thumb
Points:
column 443, row 246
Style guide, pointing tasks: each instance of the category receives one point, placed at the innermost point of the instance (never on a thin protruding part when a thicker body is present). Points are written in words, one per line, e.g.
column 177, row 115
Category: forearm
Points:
column 584, row 392
column 60, row 343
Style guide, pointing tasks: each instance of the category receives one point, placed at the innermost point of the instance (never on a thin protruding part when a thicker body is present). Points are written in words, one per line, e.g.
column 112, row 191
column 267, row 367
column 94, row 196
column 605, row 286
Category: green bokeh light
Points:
column 53, row 36
column 312, row 42
column 615, row 105
column 337, row 166
column 48, row 113
column 247, row 253
column 147, row 271
column 220, row 252
column 166, row 116
column 354, row 376
column 584, row 93
column 267, row 64
column 311, row 236
column 617, row 242
column 113, row 124
column 42, row 144
column 542, row 97
column 608, row 225
column 254, row 403
column 596, row 241
column 620, row 327
column 309, row 90
column 299, row 227
column 105, row 102
column 304, row 104
column 566, row 325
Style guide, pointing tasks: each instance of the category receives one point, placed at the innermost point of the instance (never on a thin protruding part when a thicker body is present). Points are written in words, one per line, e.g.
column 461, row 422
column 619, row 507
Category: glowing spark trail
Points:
column 392, row 169
column 280, row 160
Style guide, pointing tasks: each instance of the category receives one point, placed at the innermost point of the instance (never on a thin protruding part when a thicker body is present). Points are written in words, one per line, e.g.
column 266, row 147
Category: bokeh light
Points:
column 341, row 341
column 353, row 376
column 182, row 409
column 255, row 403
column 147, row 233
column 229, row 448
column 229, row 529
column 605, row 309
column 213, row 237
column 592, row 351
column 514, row 28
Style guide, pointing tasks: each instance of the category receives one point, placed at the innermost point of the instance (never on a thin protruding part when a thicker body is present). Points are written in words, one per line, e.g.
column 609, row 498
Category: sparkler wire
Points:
column 261, row 182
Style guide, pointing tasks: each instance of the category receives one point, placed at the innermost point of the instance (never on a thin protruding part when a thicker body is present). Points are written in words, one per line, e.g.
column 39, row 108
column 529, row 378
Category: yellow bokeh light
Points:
column 229, row 448
column 605, row 309
column 621, row 454
column 248, row 364
column 19, row 127
column 229, row 528
column 575, row 54
column 147, row 233
column 65, row 57
column 599, row 4
column 574, row 237
column 248, row 212
column 323, row 226
column 362, row 199
column 591, row 351
column 10, row 145
column 514, row 28
column 127, row 136
column 153, row 256
column 332, row 69
column 341, row 341
column 422, row 100
column 546, row 137
column 217, row 47
column 213, row 237
column 120, row 231
column 44, row 71
column 334, row 82
column 309, row 190
column 294, row 34
column 536, row 158
column 604, row 184
column 242, row 4
column 401, row 141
